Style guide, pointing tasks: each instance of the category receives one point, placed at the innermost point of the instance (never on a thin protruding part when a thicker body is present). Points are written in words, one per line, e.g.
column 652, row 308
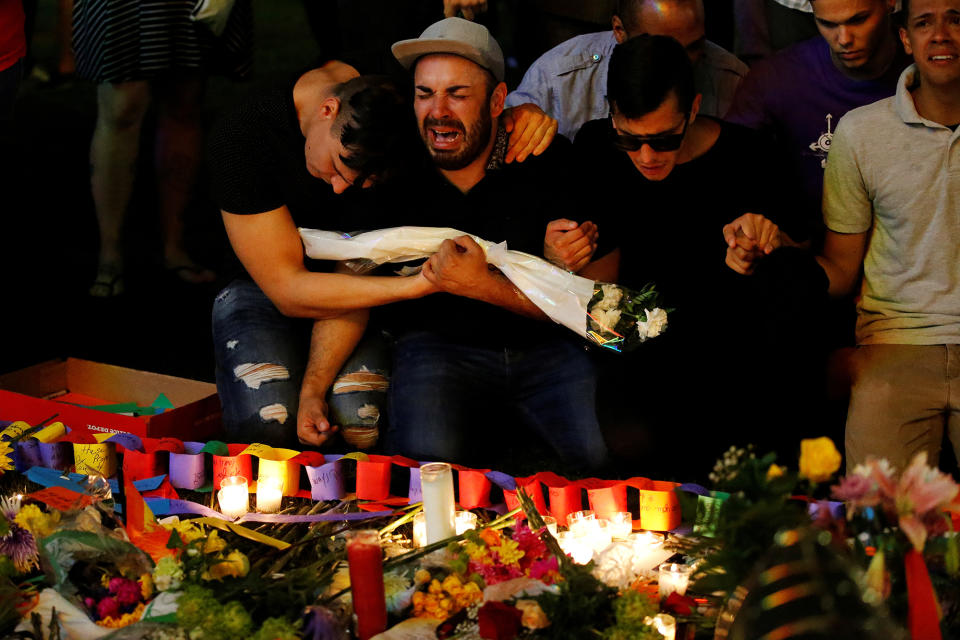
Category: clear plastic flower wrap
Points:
column 609, row 315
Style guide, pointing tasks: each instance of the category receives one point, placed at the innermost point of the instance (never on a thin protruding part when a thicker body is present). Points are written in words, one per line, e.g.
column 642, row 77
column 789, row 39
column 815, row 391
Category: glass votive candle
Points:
column 575, row 546
column 466, row 520
column 598, row 535
column 233, row 496
column 620, row 524
column 674, row 577
column 269, row 494
column 579, row 516
column 420, row 529
column 666, row 624
column 551, row 523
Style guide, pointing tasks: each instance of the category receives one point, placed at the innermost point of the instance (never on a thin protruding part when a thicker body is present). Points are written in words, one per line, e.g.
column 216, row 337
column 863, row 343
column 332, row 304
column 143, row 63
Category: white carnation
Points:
column 612, row 294
column 614, row 565
column 655, row 324
column 606, row 319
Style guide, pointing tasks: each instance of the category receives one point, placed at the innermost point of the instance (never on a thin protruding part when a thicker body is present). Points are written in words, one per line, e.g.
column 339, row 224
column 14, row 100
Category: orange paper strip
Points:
column 605, row 497
column 474, row 488
column 232, row 465
column 137, row 466
column 61, row 498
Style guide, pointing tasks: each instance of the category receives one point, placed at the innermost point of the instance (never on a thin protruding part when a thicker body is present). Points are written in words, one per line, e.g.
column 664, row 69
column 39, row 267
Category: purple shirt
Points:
column 799, row 95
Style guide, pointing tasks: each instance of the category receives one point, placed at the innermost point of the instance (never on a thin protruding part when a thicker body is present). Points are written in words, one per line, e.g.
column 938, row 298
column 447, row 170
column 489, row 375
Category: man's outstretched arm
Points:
column 270, row 249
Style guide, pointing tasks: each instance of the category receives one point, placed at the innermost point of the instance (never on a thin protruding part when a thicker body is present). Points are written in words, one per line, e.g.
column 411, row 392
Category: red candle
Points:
column 366, row 580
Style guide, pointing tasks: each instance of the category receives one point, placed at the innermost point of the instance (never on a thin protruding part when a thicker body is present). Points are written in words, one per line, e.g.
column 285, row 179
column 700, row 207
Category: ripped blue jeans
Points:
column 261, row 356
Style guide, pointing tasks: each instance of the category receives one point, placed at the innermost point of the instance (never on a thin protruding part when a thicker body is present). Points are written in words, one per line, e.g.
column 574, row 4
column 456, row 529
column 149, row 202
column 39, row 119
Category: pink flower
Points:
column 922, row 488
column 858, row 490
column 108, row 608
column 881, row 472
column 128, row 594
column 541, row 569
column 115, row 584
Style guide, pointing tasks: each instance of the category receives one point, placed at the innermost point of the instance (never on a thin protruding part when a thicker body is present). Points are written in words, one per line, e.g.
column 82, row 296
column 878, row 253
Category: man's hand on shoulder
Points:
column 570, row 245
column 313, row 426
column 531, row 131
column 459, row 267
column 749, row 238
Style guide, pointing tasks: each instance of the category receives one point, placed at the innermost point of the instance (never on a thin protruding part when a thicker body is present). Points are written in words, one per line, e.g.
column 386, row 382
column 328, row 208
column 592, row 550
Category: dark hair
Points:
column 644, row 70
column 628, row 11
column 377, row 128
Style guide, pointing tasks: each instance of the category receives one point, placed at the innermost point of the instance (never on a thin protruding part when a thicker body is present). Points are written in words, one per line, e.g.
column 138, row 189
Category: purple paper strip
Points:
column 163, row 506
column 502, row 480
column 188, row 470
column 29, row 454
column 837, row 509
column 57, row 455
column 127, row 441
column 415, row 493
column 326, row 481
column 322, row 517
column 691, row 487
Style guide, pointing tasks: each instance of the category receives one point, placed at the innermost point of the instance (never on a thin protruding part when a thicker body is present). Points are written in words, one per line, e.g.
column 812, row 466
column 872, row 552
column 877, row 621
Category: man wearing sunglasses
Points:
column 671, row 180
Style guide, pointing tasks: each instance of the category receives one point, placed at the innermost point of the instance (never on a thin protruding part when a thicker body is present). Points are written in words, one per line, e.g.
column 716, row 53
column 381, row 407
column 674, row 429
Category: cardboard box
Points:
column 32, row 395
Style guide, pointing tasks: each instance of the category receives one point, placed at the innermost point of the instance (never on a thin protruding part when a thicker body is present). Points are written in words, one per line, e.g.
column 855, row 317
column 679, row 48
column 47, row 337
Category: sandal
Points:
column 108, row 283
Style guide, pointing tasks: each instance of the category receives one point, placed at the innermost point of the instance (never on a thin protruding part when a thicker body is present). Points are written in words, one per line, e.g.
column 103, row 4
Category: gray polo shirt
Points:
column 896, row 175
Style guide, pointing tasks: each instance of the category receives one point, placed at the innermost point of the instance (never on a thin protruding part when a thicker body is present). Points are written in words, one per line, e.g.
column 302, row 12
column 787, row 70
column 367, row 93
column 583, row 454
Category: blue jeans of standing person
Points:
column 450, row 401
column 261, row 356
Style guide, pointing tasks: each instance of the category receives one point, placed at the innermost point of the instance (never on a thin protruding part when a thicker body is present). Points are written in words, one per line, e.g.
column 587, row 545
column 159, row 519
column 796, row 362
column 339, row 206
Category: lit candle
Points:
column 420, row 529
column 466, row 520
column 436, row 485
column 666, row 624
column 366, row 581
column 621, row 524
column 598, row 536
column 551, row 524
column 575, row 546
column 674, row 577
column 578, row 516
column 269, row 494
column 233, row 496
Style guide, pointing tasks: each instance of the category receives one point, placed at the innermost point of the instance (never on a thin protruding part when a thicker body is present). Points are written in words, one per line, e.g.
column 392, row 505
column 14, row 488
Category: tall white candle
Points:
column 436, row 485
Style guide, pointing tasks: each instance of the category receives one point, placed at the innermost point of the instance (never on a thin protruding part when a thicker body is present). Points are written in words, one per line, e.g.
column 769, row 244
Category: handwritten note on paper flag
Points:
column 126, row 440
column 563, row 495
column 233, row 464
column 28, row 454
column 659, row 506
column 284, row 470
column 96, row 459
column 188, row 469
column 61, row 498
column 533, row 488
column 14, row 430
column 326, row 480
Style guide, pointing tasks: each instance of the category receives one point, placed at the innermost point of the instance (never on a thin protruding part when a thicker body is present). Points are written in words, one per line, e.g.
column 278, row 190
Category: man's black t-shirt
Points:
column 670, row 232
column 256, row 155
column 512, row 203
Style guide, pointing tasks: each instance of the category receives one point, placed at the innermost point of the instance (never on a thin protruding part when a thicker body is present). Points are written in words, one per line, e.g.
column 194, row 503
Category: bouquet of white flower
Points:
column 607, row 314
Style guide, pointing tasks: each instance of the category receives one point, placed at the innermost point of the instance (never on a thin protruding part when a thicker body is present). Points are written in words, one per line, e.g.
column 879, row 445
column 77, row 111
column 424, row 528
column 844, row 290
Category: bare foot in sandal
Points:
column 108, row 283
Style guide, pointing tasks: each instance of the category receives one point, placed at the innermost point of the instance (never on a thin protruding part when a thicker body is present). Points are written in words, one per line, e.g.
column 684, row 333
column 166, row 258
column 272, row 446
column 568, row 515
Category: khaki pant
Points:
column 902, row 398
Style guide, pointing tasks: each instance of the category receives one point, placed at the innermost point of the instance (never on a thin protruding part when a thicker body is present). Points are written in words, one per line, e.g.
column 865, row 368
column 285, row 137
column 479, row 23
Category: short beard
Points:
column 474, row 142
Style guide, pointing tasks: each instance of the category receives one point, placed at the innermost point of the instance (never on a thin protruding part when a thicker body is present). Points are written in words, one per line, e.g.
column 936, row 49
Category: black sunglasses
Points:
column 659, row 142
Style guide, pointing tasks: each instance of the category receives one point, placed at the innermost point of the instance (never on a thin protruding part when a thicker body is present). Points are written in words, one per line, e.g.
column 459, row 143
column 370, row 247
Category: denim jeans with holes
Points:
column 261, row 356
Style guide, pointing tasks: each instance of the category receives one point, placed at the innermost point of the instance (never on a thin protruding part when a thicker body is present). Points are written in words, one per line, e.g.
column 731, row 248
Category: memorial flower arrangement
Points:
column 898, row 527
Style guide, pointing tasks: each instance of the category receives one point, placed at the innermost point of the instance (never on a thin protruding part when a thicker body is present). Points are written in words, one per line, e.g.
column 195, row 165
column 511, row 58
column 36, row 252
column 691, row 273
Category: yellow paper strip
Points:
column 266, row 452
column 240, row 530
column 15, row 429
column 287, row 472
column 51, row 432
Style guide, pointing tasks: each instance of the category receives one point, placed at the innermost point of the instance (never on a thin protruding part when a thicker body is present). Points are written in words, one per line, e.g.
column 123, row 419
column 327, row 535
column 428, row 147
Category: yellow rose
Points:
column 235, row 564
column 214, row 543
column 775, row 471
column 819, row 459
column 533, row 615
